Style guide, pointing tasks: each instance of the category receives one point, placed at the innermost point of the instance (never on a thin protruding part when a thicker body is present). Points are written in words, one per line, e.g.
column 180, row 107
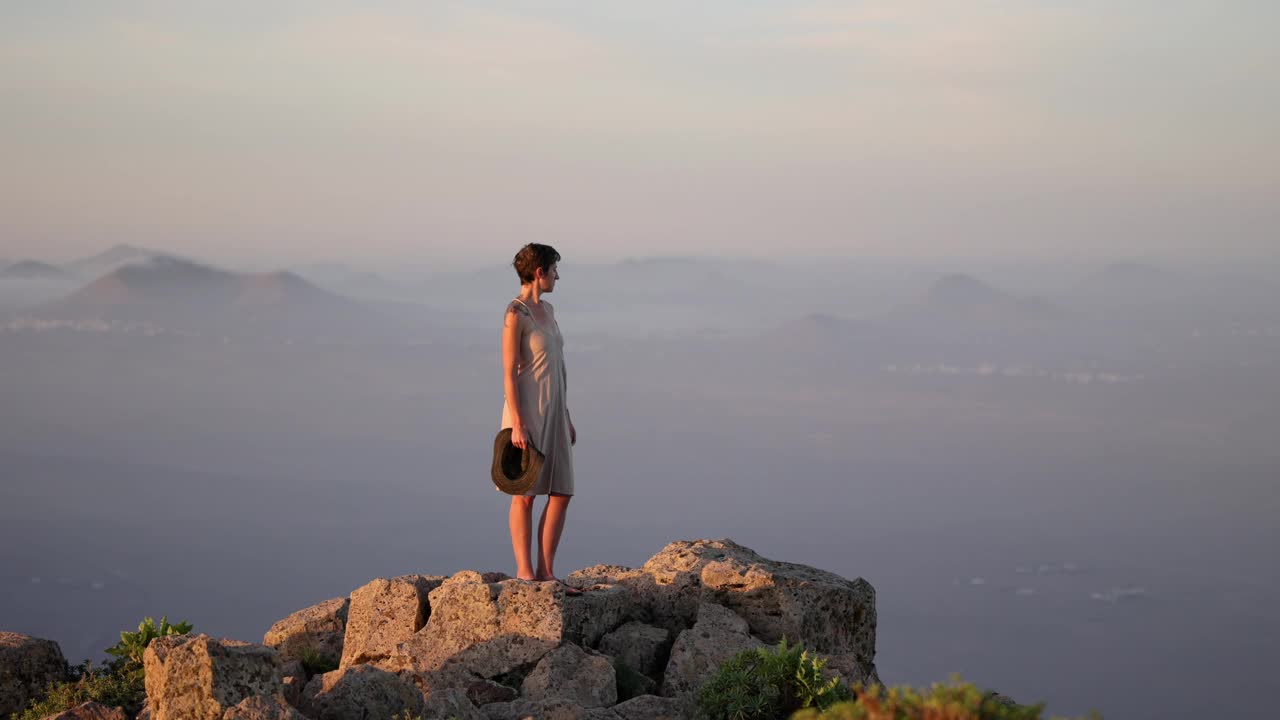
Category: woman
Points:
column 534, row 381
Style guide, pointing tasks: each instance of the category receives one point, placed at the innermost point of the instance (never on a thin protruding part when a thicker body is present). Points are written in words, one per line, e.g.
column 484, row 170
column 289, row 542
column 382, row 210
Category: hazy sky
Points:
column 459, row 130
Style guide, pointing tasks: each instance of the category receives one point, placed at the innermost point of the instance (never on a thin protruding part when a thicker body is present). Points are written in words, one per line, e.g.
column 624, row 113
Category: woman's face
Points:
column 549, row 278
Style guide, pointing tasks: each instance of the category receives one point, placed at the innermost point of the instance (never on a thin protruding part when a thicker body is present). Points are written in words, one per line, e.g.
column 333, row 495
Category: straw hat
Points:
column 514, row 470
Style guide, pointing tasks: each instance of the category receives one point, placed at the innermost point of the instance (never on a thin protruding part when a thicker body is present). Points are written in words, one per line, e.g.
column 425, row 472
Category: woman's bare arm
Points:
column 510, row 368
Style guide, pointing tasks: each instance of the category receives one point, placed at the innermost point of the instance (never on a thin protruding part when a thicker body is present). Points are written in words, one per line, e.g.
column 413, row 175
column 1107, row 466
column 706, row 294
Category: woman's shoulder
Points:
column 517, row 307
column 514, row 315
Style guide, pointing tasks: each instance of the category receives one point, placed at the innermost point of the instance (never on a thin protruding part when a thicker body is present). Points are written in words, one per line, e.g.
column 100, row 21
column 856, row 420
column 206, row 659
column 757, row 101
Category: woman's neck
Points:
column 529, row 293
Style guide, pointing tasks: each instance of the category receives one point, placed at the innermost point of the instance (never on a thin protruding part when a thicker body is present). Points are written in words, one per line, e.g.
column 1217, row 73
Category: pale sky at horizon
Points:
column 330, row 131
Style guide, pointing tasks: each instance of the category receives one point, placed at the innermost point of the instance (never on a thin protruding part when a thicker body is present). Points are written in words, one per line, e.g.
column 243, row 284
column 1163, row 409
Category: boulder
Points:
column 263, row 707
column 569, row 673
column 196, row 677
column 384, row 613
column 482, row 692
column 359, row 691
column 545, row 710
column 697, row 652
column 89, row 711
column 600, row 609
column 27, row 664
column 450, row 704
column 490, row 629
column 819, row 609
column 642, row 647
column 319, row 628
column 649, row 707
column 294, row 677
column 850, row 670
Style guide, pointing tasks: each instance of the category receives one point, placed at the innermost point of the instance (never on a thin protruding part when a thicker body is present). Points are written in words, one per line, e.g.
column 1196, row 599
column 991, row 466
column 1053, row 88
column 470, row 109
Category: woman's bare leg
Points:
column 520, row 519
column 550, row 527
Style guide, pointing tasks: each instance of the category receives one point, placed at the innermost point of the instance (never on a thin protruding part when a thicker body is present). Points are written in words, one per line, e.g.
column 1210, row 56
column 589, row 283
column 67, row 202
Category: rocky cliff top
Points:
column 636, row 644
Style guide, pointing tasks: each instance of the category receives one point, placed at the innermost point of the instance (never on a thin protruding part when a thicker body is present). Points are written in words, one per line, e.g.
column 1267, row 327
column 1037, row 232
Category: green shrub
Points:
column 114, row 684
column 952, row 701
column 315, row 663
column 132, row 645
column 118, row 683
column 766, row 684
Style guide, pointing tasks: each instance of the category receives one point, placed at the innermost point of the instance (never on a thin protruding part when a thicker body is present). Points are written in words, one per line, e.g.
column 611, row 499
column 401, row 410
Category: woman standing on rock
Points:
column 535, row 409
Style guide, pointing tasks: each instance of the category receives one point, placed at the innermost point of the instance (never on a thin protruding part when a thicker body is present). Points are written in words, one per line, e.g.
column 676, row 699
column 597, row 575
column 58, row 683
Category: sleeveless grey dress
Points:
column 541, row 383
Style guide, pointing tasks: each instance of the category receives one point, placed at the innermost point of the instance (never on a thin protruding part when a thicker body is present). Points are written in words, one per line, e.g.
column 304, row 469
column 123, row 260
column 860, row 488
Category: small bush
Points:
column 952, row 701
column 133, row 645
column 114, row 685
column 315, row 663
column 766, row 684
column 120, row 682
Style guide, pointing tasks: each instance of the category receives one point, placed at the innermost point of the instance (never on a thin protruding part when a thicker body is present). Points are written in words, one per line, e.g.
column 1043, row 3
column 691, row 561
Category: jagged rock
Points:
column 851, row 670
column 359, row 691
column 717, row 636
column 545, row 710
column 449, row 677
column 320, row 628
column 568, row 673
column 145, row 713
column 384, row 613
column 642, row 647
column 196, row 677
column 632, row 683
column 819, row 609
column 450, row 704
column 488, row 629
column 824, row 611
column 263, row 707
column 1003, row 700
column 482, row 692
column 597, row 611
column 649, row 707
column 27, row 664
column 89, row 711
column 294, row 677
column 484, row 628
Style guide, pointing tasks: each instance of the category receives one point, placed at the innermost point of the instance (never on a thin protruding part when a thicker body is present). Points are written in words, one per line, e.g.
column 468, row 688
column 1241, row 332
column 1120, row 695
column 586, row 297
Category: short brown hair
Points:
column 534, row 256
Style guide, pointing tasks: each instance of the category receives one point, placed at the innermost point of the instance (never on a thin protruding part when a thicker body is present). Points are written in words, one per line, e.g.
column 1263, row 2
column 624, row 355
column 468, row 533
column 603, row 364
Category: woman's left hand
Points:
column 573, row 434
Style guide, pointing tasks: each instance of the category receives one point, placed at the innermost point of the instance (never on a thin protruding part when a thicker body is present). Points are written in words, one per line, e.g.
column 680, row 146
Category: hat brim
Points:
column 514, row 470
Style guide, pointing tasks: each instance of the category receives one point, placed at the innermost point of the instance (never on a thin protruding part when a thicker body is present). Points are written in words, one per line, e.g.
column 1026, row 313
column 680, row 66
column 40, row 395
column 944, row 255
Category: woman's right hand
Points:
column 519, row 437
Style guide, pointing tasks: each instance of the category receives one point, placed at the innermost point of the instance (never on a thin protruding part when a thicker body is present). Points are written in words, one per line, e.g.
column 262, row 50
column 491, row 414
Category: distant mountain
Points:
column 191, row 297
column 964, row 303
column 362, row 284
column 112, row 259
column 33, row 270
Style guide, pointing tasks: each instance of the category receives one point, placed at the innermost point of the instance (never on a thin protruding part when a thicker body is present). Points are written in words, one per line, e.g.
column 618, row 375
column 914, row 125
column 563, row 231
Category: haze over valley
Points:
column 1059, row 476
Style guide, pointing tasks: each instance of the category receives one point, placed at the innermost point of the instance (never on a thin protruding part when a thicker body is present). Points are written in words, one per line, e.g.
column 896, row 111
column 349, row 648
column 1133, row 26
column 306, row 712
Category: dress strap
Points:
column 528, row 312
